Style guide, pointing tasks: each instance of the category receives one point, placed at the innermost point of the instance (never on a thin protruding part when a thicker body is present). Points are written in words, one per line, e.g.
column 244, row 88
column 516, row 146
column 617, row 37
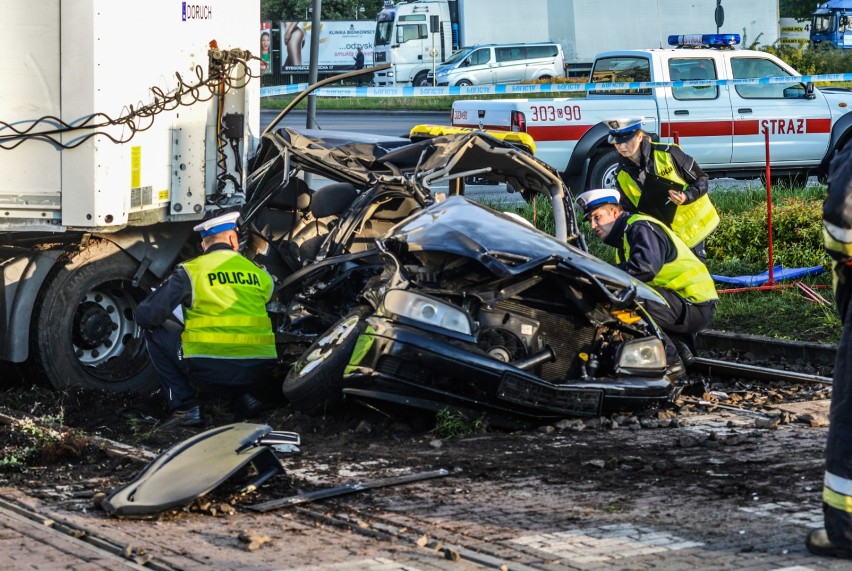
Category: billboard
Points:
column 338, row 43
column 265, row 47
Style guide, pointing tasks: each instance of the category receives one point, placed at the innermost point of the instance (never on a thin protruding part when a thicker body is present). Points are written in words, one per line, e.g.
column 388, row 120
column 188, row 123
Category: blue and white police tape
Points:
column 538, row 88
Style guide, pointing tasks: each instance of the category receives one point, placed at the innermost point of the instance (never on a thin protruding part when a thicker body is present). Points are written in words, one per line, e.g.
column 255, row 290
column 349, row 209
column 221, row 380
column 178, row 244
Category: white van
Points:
column 501, row 63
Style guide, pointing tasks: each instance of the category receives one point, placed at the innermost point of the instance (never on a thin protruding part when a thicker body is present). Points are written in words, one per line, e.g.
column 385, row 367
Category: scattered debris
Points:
column 252, row 539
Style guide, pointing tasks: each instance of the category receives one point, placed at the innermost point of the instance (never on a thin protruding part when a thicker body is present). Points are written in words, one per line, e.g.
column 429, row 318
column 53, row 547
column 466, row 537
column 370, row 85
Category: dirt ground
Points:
column 688, row 487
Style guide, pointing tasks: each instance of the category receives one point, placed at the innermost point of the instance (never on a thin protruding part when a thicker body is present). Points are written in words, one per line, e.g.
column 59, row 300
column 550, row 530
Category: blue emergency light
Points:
column 709, row 40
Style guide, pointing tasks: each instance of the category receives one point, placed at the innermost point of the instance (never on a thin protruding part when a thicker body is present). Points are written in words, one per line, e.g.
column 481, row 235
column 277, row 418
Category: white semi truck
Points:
column 119, row 130
column 409, row 33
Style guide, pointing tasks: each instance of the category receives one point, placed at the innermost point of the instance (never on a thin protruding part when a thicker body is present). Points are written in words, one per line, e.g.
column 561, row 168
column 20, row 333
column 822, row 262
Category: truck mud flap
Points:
column 194, row 467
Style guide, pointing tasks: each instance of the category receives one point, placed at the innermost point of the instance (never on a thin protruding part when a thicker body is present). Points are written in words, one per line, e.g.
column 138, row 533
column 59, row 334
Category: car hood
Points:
column 465, row 228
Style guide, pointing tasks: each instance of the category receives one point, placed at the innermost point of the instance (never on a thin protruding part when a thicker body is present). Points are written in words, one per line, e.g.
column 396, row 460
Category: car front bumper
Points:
column 409, row 362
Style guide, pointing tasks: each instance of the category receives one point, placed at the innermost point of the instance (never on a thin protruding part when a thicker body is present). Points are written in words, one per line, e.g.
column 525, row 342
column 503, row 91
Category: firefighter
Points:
column 835, row 539
column 664, row 182
column 207, row 325
column 652, row 253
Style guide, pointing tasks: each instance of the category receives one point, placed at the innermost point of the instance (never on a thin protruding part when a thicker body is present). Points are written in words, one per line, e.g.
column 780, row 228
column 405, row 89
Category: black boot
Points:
column 246, row 405
column 190, row 416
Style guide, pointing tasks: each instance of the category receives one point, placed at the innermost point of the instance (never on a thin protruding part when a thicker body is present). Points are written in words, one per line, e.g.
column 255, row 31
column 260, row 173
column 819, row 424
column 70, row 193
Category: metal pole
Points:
column 769, row 209
column 313, row 73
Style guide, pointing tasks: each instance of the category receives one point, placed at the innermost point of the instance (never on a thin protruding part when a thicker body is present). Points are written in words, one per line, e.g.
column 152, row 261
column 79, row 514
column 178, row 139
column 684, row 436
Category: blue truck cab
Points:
column 831, row 23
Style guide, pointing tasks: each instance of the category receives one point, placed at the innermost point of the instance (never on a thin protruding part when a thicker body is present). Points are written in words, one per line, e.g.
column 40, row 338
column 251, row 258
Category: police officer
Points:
column 835, row 539
column 664, row 182
column 652, row 253
column 225, row 342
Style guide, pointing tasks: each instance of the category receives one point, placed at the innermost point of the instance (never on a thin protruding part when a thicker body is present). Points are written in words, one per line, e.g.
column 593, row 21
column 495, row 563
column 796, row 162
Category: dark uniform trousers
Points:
column 838, row 461
column 680, row 319
column 219, row 376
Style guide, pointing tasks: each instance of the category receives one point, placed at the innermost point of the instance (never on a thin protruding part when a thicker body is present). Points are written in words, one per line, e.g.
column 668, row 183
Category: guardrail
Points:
column 554, row 88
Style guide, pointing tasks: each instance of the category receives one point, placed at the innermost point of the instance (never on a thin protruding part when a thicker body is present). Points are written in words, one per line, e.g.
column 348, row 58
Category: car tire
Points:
column 84, row 330
column 603, row 171
column 463, row 83
column 315, row 382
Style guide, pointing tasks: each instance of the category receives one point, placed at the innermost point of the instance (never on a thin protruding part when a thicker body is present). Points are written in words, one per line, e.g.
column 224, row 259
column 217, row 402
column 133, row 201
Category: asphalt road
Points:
column 390, row 123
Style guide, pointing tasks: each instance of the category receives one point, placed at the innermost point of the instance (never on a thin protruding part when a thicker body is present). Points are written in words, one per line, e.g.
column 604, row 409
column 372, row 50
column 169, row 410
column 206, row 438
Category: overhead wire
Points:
column 50, row 128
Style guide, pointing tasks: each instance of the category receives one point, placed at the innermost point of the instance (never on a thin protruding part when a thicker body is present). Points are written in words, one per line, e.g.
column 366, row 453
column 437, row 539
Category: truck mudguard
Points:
column 23, row 277
column 155, row 247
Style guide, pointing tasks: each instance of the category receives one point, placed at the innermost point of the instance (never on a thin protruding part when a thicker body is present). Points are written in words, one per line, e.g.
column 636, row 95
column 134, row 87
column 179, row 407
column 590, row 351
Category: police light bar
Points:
column 710, row 40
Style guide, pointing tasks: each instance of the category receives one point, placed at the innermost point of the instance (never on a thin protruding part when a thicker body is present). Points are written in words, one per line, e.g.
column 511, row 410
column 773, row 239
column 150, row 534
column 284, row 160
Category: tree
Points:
column 796, row 8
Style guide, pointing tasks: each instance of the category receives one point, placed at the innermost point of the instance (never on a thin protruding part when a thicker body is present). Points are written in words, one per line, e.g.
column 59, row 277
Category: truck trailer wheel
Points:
column 603, row 171
column 84, row 330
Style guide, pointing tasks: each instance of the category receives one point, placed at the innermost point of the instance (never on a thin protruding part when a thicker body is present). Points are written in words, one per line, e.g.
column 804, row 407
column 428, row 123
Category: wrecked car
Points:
column 318, row 240
column 477, row 311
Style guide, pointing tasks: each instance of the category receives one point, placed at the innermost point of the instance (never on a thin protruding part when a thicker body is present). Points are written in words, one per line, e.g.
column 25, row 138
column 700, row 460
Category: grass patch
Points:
column 453, row 424
column 740, row 247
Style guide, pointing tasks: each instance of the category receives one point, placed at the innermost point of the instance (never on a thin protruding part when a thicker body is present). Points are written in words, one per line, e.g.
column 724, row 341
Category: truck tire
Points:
column 314, row 383
column 602, row 173
column 84, row 331
column 420, row 80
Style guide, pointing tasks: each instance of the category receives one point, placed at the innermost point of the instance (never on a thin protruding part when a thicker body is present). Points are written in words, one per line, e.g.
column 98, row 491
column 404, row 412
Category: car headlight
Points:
column 427, row 310
column 647, row 353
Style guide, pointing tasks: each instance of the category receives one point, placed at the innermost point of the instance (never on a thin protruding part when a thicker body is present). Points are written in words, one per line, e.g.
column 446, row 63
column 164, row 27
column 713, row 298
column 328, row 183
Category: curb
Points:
column 819, row 353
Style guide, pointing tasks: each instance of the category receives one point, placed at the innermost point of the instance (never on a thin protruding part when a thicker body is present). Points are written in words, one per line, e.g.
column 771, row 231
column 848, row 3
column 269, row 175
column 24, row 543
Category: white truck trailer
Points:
column 103, row 177
column 407, row 32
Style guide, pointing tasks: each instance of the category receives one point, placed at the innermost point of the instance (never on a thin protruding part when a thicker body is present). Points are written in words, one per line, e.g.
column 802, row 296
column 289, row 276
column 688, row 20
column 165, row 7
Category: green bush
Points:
column 810, row 60
column 741, row 243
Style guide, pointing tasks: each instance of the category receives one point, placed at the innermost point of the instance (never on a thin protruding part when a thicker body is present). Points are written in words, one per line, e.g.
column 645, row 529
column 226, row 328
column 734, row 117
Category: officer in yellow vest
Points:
column 664, row 182
column 835, row 540
column 207, row 325
column 652, row 253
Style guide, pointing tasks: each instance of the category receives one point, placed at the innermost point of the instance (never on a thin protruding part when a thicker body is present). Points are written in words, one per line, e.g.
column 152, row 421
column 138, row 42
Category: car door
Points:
column 479, row 69
column 799, row 124
column 699, row 118
column 511, row 64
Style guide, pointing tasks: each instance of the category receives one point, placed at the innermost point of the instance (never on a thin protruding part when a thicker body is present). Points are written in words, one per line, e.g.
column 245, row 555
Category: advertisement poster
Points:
column 795, row 32
column 338, row 44
column 265, row 47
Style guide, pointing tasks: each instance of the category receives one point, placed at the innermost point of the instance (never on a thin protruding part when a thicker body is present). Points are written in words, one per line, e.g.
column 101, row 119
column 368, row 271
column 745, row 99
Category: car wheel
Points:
column 421, row 79
column 604, row 169
column 84, row 330
column 545, row 78
column 463, row 83
column 314, row 383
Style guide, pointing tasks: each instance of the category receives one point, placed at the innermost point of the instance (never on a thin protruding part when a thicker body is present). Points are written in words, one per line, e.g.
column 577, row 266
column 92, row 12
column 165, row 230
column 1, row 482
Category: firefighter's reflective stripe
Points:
column 686, row 275
column 837, row 239
column 692, row 222
column 837, row 492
